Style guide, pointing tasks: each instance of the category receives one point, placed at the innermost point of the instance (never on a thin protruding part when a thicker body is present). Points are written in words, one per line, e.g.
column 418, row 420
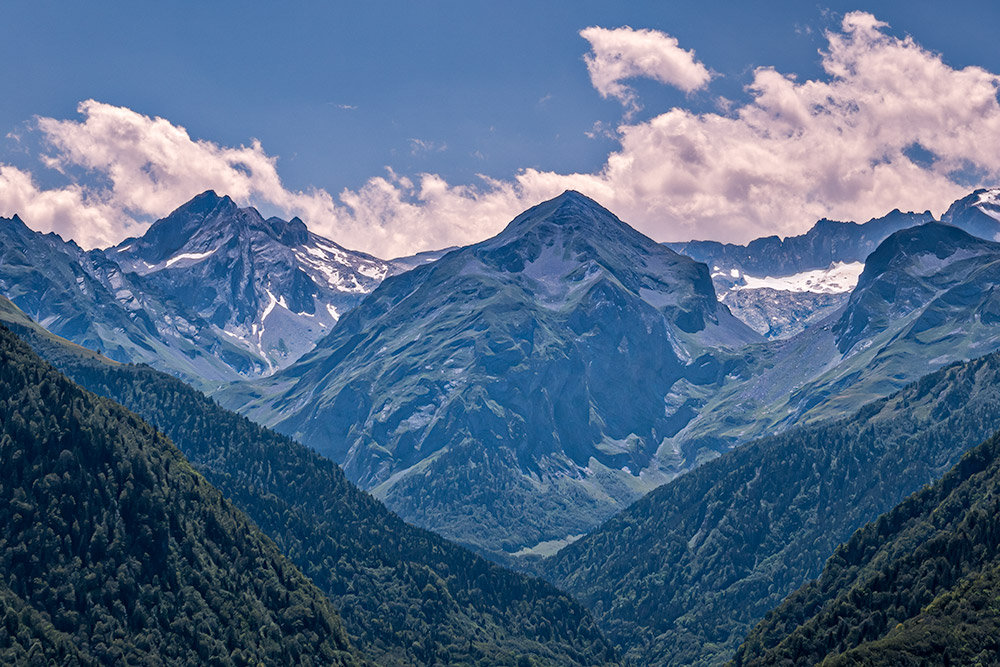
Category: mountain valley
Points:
column 568, row 398
column 461, row 334
column 374, row 568
column 498, row 367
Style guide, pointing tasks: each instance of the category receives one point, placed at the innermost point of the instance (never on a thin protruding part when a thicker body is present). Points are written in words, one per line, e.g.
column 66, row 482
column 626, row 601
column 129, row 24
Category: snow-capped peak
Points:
column 989, row 203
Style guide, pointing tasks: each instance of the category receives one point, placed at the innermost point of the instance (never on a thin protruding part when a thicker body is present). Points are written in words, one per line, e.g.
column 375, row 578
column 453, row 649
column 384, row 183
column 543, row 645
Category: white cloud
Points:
column 793, row 152
column 799, row 151
column 153, row 165
column 418, row 146
column 69, row 212
column 619, row 54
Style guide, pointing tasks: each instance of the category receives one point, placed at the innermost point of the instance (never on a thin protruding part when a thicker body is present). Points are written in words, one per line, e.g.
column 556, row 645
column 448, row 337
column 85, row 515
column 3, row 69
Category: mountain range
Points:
column 271, row 284
column 212, row 293
column 927, row 297
column 515, row 393
column 677, row 440
column 782, row 286
column 480, row 393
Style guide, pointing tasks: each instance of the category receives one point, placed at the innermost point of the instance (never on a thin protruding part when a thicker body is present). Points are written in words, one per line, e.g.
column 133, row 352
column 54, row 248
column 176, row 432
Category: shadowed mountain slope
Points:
column 918, row 586
column 682, row 575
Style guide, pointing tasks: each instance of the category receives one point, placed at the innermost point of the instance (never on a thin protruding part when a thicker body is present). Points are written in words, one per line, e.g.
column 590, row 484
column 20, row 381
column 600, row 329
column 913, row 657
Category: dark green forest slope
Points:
column 921, row 585
column 115, row 551
column 407, row 596
column 682, row 575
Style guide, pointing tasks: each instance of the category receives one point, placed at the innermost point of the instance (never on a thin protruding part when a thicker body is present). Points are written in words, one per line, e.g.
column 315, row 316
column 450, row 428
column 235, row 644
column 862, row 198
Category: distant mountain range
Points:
column 271, row 285
column 212, row 293
column 927, row 297
column 782, row 286
column 215, row 293
column 90, row 300
column 517, row 392
column 569, row 365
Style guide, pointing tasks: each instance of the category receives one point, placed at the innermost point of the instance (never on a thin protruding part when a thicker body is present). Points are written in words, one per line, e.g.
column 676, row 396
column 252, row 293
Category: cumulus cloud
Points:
column 619, row 54
column 149, row 166
column 888, row 125
column 153, row 165
column 70, row 212
column 798, row 151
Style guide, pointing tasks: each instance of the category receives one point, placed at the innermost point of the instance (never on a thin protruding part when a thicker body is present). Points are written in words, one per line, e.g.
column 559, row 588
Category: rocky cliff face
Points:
column 92, row 301
column 269, row 284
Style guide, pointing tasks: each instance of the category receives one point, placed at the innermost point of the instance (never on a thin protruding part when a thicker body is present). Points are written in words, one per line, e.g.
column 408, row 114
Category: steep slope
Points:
column 682, row 575
column 928, row 296
column 504, row 394
column 407, row 596
column 115, row 551
column 271, row 284
column 91, row 301
column 917, row 586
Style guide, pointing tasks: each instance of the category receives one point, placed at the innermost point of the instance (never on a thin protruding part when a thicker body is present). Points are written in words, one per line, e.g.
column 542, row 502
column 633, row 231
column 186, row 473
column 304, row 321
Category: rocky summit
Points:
column 270, row 284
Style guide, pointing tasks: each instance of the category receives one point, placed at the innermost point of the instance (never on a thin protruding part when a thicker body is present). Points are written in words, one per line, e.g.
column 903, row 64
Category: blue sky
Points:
column 340, row 92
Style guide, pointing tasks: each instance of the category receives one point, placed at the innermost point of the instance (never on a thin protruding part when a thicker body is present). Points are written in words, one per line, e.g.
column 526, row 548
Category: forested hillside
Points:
column 918, row 586
column 115, row 551
column 682, row 575
column 406, row 595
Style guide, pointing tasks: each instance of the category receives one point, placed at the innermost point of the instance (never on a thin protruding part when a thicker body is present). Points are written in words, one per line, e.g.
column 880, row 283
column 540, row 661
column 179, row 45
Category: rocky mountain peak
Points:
column 288, row 232
column 570, row 238
column 978, row 213
column 570, row 214
column 167, row 236
column 932, row 272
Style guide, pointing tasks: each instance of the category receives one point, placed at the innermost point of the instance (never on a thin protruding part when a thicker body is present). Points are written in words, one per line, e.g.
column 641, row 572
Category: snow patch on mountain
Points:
column 339, row 270
column 192, row 256
column 989, row 203
column 839, row 278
